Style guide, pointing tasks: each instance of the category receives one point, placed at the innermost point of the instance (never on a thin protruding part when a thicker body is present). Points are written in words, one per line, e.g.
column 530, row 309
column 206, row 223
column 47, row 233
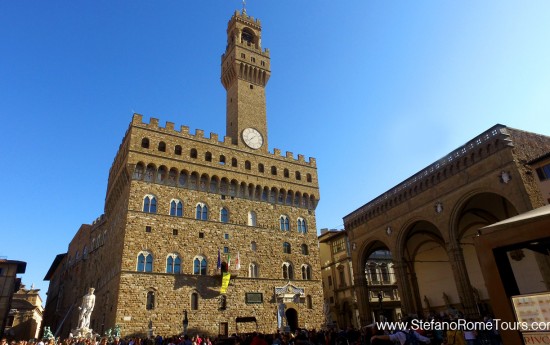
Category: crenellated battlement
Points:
column 169, row 128
column 246, row 19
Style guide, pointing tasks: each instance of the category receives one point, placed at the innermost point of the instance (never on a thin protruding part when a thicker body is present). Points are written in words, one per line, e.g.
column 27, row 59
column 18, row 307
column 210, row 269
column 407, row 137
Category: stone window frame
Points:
column 162, row 146
column 302, row 225
column 145, row 143
column 149, row 203
column 202, row 271
column 284, row 222
column 178, row 206
column 146, row 254
column 174, row 256
column 203, row 211
column 253, row 246
column 287, row 270
column 253, row 270
column 252, row 219
column 287, row 248
column 306, row 271
column 224, row 216
column 194, row 298
column 304, row 249
column 151, row 298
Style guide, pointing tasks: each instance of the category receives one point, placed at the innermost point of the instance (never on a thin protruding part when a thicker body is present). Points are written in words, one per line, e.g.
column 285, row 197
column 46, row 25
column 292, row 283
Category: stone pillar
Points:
column 462, row 281
column 361, row 291
column 405, row 290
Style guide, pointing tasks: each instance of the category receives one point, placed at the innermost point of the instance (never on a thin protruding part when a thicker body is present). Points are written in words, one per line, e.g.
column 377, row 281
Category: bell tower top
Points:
column 245, row 72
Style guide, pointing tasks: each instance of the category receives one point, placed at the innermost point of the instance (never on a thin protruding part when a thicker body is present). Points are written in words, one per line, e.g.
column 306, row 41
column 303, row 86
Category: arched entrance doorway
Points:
column 292, row 318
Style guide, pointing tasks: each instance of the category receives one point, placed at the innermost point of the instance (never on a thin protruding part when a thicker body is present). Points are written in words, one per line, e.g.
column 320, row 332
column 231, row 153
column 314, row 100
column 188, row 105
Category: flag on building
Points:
column 238, row 262
column 219, row 260
column 225, row 282
column 228, row 261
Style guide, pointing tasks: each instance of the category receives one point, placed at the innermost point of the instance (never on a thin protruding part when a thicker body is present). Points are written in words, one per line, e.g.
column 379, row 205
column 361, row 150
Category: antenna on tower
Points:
column 244, row 6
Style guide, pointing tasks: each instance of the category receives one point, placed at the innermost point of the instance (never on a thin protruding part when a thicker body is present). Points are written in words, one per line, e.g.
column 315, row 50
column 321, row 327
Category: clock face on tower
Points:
column 252, row 138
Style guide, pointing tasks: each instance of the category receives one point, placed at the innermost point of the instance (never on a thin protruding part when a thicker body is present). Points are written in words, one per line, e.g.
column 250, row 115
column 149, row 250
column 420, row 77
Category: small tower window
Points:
column 222, row 159
column 145, row 143
column 177, row 150
column 273, row 170
column 261, row 167
column 286, row 173
column 193, row 153
column 162, row 146
column 234, row 162
column 208, row 157
column 247, row 165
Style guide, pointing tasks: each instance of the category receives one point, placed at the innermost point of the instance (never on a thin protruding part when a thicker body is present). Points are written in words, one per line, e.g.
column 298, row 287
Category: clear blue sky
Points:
column 374, row 90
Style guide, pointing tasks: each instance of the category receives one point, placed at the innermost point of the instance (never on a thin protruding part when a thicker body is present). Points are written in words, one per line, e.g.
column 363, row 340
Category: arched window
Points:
column 253, row 270
column 298, row 175
column 177, row 150
column 247, row 165
column 208, row 157
column 306, row 272
column 222, row 159
column 305, row 250
column 145, row 143
column 302, row 226
column 202, row 212
column 203, row 186
column 251, row 218
column 288, row 272
column 286, row 173
column 194, row 301
column 273, row 170
column 150, row 204
column 309, row 302
column 145, row 262
column 224, row 215
column 172, row 176
column 162, row 146
column 150, row 304
column 261, row 167
column 193, row 153
column 308, row 177
column 173, row 264
column 253, row 246
column 199, row 266
column 161, row 174
column 182, row 180
column 138, row 171
column 286, row 248
column 234, row 162
column 284, row 224
column 150, row 173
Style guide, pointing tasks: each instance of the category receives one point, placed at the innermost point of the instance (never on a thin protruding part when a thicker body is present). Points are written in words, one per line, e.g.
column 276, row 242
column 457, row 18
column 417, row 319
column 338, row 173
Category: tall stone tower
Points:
column 245, row 72
column 178, row 202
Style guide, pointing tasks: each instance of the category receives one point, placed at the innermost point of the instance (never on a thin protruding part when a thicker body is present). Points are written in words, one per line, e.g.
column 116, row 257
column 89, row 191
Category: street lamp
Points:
column 185, row 322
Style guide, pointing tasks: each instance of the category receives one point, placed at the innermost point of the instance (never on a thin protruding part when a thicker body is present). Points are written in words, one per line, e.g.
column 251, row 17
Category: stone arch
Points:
column 424, row 267
column 473, row 211
column 214, row 184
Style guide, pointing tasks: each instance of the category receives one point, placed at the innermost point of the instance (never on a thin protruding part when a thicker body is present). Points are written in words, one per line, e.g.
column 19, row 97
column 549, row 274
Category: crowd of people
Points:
column 367, row 335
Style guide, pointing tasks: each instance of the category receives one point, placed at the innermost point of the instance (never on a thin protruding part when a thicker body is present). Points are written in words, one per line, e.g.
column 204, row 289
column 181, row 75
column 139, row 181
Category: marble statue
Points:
column 281, row 317
column 86, row 308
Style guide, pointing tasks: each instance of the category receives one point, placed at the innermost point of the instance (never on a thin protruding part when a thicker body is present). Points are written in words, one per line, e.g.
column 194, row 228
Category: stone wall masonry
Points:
column 173, row 296
column 161, row 241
